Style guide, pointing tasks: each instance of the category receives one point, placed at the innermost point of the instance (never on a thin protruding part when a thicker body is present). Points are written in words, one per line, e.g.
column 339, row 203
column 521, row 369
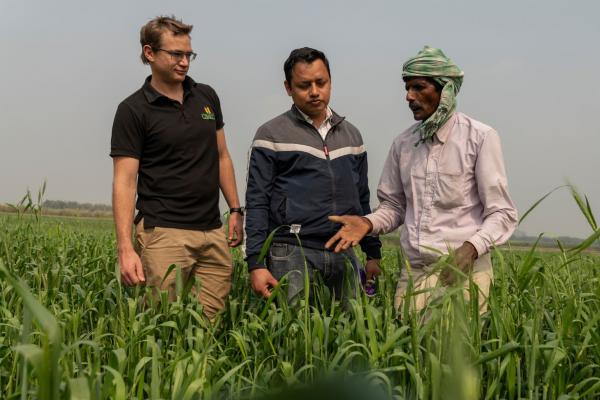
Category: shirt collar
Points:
column 309, row 119
column 152, row 94
column 444, row 131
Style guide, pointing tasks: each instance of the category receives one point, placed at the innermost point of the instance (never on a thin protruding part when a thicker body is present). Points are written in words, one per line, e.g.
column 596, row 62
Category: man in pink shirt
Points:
column 444, row 181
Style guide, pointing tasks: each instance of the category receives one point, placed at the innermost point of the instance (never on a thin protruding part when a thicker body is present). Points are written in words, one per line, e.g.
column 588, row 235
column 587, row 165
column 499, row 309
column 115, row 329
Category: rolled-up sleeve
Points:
column 391, row 211
column 499, row 212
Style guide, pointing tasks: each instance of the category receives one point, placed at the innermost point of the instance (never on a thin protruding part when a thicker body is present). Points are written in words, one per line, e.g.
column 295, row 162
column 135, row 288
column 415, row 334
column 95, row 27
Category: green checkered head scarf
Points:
column 433, row 63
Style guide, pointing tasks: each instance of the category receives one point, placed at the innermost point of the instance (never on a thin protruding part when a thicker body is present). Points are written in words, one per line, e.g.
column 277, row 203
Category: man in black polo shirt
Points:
column 169, row 136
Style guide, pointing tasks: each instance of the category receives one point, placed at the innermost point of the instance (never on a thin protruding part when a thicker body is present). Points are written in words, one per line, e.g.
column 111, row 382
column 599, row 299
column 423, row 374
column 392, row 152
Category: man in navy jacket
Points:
column 306, row 164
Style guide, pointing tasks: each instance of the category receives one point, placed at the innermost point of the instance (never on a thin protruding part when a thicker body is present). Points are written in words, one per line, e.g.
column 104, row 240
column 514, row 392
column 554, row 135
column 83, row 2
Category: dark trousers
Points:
column 338, row 271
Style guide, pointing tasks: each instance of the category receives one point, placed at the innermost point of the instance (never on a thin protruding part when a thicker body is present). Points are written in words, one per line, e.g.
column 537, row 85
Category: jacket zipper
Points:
column 326, row 152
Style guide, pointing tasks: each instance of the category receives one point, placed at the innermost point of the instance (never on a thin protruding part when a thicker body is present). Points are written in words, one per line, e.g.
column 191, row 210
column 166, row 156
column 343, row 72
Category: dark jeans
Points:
column 288, row 260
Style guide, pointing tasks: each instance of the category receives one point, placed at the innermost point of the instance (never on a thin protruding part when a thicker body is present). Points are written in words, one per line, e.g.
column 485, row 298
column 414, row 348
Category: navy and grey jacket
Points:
column 297, row 178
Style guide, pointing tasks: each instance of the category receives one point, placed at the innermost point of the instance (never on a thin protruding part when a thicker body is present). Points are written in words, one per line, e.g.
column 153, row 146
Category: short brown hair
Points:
column 150, row 33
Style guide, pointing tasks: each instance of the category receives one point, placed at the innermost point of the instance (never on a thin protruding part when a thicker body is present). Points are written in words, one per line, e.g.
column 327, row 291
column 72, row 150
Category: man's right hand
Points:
column 353, row 229
column 130, row 264
column 262, row 281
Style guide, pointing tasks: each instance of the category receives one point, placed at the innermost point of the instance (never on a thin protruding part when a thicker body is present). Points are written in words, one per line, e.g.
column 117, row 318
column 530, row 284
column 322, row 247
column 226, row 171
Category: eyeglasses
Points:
column 177, row 56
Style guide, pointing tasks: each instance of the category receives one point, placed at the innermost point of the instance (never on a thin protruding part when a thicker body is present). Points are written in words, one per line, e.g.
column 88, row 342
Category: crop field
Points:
column 69, row 329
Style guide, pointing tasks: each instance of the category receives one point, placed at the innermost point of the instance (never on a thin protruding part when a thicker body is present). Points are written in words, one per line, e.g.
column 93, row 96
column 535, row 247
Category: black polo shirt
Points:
column 176, row 144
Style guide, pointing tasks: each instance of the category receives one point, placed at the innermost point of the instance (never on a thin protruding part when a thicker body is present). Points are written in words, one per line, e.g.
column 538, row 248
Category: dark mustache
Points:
column 414, row 106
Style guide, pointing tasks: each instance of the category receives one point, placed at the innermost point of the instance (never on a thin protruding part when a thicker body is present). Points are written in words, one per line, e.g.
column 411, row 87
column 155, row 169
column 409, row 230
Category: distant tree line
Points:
column 74, row 205
column 520, row 238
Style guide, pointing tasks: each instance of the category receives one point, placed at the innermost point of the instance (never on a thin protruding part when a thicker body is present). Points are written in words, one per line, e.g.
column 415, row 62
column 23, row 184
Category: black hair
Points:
column 305, row 55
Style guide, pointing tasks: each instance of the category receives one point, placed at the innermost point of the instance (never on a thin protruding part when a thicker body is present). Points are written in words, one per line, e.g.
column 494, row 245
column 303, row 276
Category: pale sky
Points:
column 531, row 72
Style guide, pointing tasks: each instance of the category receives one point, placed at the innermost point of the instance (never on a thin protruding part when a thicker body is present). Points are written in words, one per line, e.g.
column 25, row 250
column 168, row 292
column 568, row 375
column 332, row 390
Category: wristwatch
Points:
column 237, row 210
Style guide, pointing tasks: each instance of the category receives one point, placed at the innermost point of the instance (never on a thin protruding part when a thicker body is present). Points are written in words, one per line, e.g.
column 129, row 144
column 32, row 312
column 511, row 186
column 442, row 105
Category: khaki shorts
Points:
column 424, row 279
column 204, row 255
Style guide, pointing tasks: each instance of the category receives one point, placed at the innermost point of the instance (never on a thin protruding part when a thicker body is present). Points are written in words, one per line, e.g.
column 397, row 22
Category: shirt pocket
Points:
column 449, row 189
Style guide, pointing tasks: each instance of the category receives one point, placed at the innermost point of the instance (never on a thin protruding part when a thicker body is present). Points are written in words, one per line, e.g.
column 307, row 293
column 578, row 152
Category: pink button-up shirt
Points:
column 446, row 191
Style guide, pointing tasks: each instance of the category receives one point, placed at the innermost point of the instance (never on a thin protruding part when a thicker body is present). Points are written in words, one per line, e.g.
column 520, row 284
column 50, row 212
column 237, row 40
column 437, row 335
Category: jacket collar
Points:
column 335, row 117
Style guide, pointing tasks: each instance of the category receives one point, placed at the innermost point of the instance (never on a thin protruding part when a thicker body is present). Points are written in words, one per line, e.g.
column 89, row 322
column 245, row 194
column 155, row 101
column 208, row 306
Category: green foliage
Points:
column 68, row 329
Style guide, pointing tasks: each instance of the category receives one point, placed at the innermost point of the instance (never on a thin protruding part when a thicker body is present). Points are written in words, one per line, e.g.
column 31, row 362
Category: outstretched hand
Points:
column 354, row 228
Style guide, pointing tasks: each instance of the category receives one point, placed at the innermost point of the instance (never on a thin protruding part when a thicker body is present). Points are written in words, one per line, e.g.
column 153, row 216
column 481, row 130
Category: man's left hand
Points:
column 464, row 258
column 372, row 269
column 236, row 229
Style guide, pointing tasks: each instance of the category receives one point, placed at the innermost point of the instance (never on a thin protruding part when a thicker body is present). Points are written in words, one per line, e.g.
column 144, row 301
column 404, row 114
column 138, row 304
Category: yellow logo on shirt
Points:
column 208, row 114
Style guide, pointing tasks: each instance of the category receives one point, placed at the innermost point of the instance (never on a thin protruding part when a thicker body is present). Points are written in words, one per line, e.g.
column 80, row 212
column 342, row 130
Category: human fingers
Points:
column 272, row 281
column 239, row 237
column 442, row 277
column 372, row 273
column 125, row 278
column 133, row 277
column 465, row 264
column 342, row 246
column 259, row 279
column 139, row 271
column 254, row 283
column 377, row 271
column 265, row 292
column 447, row 276
column 333, row 239
column 128, row 276
column 230, row 230
column 269, row 282
column 336, row 218
column 257, row 288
